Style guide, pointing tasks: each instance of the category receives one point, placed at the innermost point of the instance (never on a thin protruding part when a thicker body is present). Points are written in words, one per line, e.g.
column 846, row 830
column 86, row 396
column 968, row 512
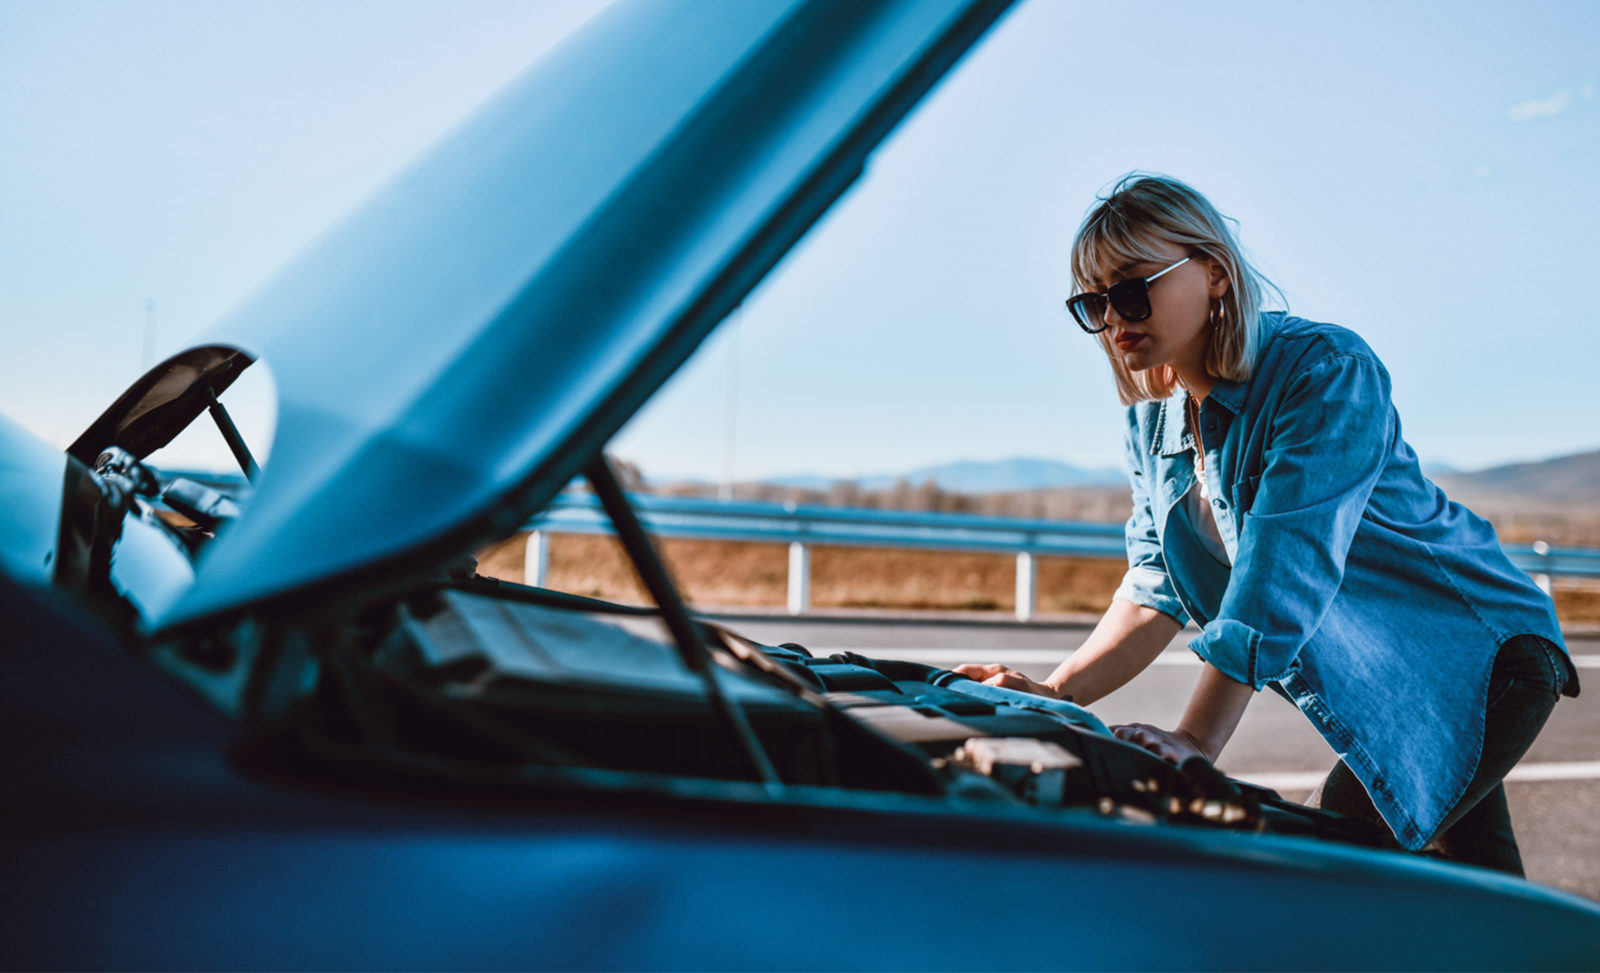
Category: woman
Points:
column 1276, row 504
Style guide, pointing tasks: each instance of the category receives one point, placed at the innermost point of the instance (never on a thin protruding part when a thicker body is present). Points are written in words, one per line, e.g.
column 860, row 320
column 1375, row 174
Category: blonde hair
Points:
column 1142, row 208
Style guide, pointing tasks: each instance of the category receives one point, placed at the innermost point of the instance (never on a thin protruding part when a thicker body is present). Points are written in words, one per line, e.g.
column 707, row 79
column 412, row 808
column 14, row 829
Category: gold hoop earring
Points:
column 1218, row 315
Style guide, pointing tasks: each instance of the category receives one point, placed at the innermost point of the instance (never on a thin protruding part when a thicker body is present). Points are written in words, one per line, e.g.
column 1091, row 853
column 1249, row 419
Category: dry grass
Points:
column 725, row 574
column 1578, row 601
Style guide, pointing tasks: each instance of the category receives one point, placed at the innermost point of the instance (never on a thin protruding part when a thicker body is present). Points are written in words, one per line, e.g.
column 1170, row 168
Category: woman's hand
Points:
column 1173, row 746
column 998, row 675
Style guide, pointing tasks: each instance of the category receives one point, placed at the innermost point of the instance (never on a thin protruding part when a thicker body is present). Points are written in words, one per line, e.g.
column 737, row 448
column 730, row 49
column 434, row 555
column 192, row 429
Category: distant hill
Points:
column 1555, row 500
column 1537, row 496
column 1564, row 479
column 974, row 477
column 1573, row 479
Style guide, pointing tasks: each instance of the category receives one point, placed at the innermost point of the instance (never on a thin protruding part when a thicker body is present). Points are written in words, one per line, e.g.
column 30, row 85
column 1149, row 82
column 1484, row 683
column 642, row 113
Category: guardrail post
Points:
column 1542, row 578
column 1027, row 586
column 536, row 559
column 799, row 578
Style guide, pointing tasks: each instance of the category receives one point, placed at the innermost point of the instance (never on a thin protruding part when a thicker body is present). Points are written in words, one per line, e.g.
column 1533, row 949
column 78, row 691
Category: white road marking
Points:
column 1290, row 780
column 1297, row 780
column 1172, row 657
column 1577, row 770
column 1005, row 656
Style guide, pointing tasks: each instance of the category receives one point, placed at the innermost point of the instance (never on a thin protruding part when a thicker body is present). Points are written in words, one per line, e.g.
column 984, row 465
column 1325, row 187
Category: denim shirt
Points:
column 1357, row 590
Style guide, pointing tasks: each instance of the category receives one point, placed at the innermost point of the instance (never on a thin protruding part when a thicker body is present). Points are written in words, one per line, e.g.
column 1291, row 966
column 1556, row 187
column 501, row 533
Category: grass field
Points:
column 728, row 574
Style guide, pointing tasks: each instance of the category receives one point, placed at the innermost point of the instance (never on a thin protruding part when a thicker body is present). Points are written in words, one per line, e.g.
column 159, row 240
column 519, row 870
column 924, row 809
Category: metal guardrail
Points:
column 801, row 527
column 745, row 521
column 1545, row 562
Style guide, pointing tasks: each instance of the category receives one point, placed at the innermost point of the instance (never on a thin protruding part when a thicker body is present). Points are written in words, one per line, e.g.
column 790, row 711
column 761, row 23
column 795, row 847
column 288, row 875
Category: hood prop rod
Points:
column 230, row 432
column 658, row 581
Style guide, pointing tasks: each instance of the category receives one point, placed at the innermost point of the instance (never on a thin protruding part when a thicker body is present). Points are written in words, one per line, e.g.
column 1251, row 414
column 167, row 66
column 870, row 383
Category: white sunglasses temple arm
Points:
column 1151, row 279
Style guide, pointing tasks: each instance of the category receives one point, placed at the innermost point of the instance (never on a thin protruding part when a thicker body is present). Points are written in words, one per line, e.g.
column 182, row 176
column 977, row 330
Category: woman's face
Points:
column 1176, row 332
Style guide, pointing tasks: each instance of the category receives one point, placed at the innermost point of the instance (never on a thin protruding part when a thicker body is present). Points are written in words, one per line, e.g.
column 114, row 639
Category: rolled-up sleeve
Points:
column 1328, row 444
column 1146, row 582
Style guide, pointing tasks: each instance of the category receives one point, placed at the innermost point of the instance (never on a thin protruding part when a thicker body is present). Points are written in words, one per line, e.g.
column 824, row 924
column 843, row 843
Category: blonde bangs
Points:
column 1120, row 231
column 1103, row 250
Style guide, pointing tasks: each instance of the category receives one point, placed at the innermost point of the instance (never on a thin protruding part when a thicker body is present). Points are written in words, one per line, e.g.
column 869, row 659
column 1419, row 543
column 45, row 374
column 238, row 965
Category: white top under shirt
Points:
column 1198, row 504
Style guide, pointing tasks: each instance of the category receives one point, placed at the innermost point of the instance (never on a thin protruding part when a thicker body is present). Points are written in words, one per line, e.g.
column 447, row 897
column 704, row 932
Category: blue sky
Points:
column 1426, row 174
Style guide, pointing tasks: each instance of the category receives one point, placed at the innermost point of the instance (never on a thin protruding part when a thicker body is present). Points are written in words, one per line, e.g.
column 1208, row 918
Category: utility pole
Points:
column 731, row 409
column 149, row 333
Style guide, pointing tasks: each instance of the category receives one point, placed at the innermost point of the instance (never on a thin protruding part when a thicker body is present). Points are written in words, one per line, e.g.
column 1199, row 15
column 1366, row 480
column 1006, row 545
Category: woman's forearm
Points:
column 1127, row 640
column 1214, row 710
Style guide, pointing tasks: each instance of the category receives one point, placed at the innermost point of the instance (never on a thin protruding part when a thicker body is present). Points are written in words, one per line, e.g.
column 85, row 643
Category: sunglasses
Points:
column 1131, row 298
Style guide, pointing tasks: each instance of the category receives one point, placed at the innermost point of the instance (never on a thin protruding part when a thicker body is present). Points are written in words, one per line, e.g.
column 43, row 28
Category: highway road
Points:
column 1552, row 792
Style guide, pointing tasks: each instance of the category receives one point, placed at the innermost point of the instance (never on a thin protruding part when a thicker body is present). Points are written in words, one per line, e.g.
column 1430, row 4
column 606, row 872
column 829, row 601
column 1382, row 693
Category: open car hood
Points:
column 453, row 352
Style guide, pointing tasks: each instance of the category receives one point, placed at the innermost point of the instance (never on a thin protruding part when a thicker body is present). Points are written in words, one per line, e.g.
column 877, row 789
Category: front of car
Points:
column 318, row 738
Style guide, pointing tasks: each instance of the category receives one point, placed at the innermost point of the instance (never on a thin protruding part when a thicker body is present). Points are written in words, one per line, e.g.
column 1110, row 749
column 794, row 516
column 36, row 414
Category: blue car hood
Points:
column 453, row 352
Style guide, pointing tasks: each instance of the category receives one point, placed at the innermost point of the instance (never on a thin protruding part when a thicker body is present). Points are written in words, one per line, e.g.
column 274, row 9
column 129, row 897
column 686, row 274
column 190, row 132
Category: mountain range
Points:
column 974, row 476
column 1567, row 479
column 1571, row 479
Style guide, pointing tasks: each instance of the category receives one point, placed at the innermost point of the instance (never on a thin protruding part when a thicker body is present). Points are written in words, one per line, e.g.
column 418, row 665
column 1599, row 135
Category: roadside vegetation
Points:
column 1550, row 501
column 729, row 574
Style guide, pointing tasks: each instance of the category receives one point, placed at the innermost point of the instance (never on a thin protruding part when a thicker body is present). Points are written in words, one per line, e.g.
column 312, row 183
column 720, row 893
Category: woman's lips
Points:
column 1129, row 340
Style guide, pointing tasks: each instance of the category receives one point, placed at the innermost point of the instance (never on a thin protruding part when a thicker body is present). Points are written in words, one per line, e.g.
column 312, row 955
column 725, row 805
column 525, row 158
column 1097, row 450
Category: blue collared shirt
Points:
column 1357, row 590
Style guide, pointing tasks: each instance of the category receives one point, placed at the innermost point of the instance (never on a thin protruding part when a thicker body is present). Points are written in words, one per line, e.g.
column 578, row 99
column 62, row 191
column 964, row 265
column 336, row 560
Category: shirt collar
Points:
column 1173, row 435
column 1231, row 395
column 1172, row 428
column 1228, row 394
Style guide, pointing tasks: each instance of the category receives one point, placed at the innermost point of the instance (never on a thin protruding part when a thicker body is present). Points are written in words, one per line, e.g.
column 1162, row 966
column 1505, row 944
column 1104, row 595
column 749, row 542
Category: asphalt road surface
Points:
column 1552, row 792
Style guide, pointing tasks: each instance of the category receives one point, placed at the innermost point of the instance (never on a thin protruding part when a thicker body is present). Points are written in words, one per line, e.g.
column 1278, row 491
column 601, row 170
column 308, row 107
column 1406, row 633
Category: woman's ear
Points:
column 1217, row 282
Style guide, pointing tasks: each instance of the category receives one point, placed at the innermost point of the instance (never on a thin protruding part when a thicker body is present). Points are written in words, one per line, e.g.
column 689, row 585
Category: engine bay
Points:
column 492, row 677
column 464, row 680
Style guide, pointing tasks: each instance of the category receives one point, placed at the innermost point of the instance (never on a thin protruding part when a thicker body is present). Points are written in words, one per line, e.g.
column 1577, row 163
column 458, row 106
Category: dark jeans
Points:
column 1529, row 674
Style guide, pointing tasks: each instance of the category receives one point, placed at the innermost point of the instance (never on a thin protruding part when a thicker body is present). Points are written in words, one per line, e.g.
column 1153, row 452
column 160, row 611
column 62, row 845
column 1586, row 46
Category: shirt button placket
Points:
column 1219, row 510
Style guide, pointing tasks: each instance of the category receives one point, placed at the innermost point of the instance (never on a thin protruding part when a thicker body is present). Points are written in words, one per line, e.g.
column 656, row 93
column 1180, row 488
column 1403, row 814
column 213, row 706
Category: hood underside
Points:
column 448, row 356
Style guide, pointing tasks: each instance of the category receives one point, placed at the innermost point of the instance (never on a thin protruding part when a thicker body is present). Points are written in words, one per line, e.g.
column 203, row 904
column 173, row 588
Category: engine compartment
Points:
column 466, row 680
column 489, row 677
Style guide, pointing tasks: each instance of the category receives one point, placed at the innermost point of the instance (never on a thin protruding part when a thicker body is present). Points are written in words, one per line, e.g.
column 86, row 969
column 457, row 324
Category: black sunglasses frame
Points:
column 1131, row 298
